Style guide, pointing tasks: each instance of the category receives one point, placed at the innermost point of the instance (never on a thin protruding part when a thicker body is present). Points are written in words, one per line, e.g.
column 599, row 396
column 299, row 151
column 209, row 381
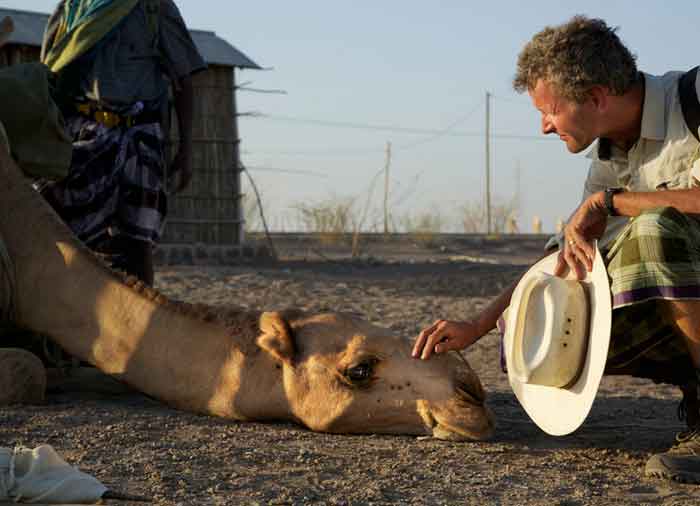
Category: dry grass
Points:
column 331, row 220
column 474, row 220
column 424, row 227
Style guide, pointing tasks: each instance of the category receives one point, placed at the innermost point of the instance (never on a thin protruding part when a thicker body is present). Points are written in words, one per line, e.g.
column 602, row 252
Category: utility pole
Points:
column 387, row 163
column 517, row 185
column 488, row 163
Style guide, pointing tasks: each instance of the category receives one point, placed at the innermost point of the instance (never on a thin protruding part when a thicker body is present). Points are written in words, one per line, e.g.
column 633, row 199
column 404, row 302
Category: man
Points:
column 641, row 200
column 111, row 58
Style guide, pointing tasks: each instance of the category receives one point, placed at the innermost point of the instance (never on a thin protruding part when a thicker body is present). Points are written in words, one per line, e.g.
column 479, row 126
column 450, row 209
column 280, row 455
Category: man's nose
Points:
column 547, row 126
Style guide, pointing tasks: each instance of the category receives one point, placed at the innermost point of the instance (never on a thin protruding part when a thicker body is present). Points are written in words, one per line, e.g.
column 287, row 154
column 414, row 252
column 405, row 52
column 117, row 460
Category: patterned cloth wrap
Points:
column 77, row 11
column 116, row 181
column 655, row 257
column 82, row 24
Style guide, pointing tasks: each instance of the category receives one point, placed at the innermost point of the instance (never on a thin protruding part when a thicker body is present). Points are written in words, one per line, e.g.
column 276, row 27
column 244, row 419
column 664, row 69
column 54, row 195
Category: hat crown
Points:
column 551, row 334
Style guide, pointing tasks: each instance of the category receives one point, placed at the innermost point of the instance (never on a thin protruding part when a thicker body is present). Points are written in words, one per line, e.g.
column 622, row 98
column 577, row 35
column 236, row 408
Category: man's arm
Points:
column 181, row 169
column 182, row 60
column 634, row 203
column 445, row 335
column 589, row 221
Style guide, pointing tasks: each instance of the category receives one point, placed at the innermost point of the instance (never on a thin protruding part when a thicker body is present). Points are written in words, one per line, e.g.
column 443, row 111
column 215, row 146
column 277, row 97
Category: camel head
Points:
column 341, row 374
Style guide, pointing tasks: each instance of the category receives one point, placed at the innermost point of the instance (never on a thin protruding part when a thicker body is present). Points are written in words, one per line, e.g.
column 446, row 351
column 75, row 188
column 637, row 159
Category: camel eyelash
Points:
column 361, row 374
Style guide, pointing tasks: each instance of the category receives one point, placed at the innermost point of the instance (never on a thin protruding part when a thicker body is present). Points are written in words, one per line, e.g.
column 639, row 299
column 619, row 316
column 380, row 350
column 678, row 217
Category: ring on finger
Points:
column 572, row 242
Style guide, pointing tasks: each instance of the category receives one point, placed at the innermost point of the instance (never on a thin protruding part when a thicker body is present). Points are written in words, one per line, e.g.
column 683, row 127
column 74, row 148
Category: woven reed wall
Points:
column 208, row 210
column 12, row 54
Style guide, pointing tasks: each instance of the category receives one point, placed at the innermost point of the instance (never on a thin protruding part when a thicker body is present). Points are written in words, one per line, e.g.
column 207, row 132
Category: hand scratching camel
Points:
column 328, row 372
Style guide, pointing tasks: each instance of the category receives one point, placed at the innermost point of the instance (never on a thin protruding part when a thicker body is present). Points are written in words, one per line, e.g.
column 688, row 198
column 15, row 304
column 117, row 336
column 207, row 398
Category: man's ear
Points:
column 600, row 97
column 277, row 338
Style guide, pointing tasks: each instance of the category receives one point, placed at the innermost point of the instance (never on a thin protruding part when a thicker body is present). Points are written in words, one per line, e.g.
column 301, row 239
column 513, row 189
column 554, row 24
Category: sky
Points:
column 358, row 75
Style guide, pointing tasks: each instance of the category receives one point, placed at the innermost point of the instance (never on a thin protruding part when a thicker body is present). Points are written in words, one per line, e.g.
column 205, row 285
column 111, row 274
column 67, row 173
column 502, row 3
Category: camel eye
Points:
column 360, row 373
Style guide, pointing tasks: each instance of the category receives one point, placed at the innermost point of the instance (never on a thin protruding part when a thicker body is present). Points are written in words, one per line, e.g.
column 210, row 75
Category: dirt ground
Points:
column 139, row 446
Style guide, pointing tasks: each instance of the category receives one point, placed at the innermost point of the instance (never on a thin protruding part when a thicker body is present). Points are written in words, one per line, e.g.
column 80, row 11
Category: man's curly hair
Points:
column 575, row 56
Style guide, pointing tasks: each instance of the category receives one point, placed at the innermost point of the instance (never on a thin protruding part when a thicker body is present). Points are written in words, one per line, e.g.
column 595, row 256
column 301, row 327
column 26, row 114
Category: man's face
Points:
column 574, row 123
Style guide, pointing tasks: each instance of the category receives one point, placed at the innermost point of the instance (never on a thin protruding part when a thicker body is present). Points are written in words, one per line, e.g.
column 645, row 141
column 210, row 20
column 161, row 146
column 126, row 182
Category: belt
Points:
column 112, row 119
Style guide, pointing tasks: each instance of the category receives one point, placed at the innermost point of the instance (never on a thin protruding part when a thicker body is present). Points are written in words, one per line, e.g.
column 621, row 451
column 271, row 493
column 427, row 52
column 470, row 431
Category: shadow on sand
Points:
column 630, row 423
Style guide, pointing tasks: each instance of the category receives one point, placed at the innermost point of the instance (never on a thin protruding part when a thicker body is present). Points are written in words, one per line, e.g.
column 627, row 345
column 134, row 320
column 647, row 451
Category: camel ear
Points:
column 277, row 338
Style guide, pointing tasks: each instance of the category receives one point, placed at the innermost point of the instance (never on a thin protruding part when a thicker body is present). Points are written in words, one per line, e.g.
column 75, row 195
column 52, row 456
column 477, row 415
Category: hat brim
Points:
column 560, row 411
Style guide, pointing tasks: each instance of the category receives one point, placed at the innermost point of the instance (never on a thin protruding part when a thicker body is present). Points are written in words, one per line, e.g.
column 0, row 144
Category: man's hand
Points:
column 445, row 335
column 180, row 173
column 586, row 225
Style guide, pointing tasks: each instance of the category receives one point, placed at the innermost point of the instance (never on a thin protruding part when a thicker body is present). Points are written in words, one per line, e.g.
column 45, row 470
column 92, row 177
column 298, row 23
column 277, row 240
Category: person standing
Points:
column 115, row 62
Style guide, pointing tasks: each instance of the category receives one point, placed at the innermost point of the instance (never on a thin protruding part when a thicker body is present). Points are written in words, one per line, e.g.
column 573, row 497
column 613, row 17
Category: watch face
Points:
column 609, row 192
column 608, row 202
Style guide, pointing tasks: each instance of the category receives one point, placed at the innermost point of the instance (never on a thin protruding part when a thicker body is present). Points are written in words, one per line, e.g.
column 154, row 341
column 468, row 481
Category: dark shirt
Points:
column 126, row 67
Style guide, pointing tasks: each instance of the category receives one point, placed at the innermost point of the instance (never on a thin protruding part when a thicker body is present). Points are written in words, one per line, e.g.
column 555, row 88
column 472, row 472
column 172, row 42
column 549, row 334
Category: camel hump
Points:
column 22, row 377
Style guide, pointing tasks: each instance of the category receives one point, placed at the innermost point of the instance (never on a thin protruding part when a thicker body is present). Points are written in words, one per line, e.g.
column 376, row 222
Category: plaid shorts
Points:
column 656, row 257
column 116, row 182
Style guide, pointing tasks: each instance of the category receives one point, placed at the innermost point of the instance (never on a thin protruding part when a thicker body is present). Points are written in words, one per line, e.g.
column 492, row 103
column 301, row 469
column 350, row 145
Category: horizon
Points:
column 356, row 77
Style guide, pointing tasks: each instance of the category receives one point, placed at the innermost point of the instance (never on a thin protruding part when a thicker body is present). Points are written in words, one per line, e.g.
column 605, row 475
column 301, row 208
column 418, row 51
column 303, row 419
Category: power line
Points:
column 523, row 103
column 398, row 129
column 357, row 126
column 299, row 172
column 367, row 151
column 324, row 152
column 445, row 131
column 363, row 151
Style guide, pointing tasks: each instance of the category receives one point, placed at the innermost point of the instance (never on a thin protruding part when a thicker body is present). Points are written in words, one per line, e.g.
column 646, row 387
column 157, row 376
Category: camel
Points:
column 329, row 372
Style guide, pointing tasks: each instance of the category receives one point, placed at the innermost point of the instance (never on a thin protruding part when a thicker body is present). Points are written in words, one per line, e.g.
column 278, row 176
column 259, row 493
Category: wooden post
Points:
column 488, row 164
column 237, row 190
column 387, row 163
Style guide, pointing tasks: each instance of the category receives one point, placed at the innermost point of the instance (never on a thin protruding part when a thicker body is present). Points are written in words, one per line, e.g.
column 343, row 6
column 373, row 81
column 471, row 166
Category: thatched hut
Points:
column 207, row 214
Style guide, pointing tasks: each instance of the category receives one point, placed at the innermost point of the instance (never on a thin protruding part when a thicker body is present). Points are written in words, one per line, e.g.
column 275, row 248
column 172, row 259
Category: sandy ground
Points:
column 136, row 445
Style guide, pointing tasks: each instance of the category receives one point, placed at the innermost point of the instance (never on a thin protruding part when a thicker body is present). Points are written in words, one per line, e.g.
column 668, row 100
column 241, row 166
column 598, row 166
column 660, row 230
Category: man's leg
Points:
column 682, row 462
column 143, row 203
column 685, row 316
column 656, row 258
column 137, row 257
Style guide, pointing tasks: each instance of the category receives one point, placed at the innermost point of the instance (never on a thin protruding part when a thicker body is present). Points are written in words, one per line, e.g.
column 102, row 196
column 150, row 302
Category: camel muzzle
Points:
column 469, row 395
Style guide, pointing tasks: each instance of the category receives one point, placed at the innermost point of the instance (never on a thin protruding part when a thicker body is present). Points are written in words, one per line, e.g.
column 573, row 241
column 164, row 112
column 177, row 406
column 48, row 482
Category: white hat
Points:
column 556, row 343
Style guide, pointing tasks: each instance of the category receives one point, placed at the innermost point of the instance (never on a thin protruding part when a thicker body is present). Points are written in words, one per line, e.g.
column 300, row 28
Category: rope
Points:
column 273, row 253
column 7, row 285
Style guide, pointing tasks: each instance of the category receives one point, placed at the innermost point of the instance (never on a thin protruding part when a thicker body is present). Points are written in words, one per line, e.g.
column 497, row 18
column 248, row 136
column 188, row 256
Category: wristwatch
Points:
column 608, row 200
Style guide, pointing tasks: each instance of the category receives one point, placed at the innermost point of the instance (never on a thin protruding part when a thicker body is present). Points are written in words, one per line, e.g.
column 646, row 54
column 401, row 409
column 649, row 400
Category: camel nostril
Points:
column 469, row 393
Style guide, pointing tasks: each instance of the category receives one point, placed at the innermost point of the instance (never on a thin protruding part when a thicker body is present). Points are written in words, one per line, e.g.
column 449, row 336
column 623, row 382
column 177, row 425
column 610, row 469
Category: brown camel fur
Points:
column 329, row 372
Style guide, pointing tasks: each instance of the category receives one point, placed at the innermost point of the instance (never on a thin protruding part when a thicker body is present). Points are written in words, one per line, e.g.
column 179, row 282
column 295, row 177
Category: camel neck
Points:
column 183, row 360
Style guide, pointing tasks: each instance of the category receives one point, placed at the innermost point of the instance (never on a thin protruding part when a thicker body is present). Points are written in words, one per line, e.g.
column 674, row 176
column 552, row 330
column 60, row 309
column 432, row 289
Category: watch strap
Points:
column 608, row 200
